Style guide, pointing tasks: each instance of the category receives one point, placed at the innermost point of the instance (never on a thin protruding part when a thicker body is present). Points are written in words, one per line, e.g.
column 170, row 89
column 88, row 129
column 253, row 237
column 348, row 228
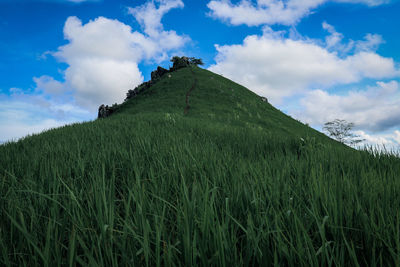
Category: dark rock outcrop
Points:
column 104, row 111
column 158, row 73
column 139, row 89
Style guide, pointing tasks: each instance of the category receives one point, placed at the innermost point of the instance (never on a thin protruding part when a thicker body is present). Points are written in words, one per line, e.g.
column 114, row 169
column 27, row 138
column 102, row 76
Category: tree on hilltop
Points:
column 182, row 62
column 340, row 130
column 179, row 62
column 196, row 61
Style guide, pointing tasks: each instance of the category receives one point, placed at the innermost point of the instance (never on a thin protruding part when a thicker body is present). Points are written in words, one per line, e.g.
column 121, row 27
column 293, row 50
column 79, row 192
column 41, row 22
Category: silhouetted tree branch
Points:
column 340, row 130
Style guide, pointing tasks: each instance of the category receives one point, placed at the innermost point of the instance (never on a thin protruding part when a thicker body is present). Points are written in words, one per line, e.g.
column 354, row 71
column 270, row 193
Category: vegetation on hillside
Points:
column 341, row 130
column 233, row 182
column 156, row 75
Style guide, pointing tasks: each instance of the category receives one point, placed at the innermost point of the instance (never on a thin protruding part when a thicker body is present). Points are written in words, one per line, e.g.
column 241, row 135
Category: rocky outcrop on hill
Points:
column 156, row 75
column 138, row 89
column 178, row 63
column 104, row 111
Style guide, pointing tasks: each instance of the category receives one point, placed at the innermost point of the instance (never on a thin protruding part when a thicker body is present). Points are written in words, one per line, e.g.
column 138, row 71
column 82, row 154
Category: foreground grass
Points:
column 160, row 188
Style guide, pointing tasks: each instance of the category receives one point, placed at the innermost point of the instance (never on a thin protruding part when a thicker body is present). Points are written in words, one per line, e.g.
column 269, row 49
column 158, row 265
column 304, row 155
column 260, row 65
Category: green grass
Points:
column 220, row 186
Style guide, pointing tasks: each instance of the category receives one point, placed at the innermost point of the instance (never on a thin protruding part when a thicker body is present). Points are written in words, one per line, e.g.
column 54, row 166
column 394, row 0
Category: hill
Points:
column 196, row 170
column 214, row 100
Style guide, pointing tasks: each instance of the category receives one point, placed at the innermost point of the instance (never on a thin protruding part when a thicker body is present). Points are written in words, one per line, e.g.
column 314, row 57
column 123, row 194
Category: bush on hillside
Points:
column 179, row 62
column 183, row 62
column 196, row 61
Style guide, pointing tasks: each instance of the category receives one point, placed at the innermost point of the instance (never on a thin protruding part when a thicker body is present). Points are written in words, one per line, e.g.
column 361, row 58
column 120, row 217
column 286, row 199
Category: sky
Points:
column 316, row 60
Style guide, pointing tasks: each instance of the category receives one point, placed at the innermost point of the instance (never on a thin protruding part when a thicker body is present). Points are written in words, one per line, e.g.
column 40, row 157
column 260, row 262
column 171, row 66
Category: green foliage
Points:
column 229, row 184
column 196, row 61
column 179, row 62
column 182, row 62
column 156, row 75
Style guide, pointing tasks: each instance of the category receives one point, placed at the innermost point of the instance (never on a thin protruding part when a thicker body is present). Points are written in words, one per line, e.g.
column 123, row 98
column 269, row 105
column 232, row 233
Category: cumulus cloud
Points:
column 102, row 61
column 102, row 57
column 103, row 54
column 158, row 40
column 149, row 16
column 48, row 85
column 366, row 2
column 334, row 38
column 371, row 42
column 387, row 140
column 276, row 67
column 334, row 41
column 270, row 11
column 263, row 12
column 375, row 109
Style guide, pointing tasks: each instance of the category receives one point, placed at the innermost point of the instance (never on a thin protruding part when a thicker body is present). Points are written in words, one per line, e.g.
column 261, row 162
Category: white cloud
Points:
column 101, row 37
column 270, row 11
column 103, row 55
column 158, row 40
column 371, row 43
column 22, row 114
column 396, row 136
column 387, row 142
column 149, row 16
column 366, row 2
column 378, row 139
column 334, row 38
column 50, row 86
column 99, row 80
column 275, row 67
column 334, row 41
column 264, row 12
column 19, row 129
column 375, row 109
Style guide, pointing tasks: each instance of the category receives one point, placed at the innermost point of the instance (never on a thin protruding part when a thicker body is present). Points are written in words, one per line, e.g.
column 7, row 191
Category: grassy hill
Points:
column 196, row 170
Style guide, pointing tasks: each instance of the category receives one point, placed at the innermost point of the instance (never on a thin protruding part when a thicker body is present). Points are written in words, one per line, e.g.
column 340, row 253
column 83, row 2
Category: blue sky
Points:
column 316, row 60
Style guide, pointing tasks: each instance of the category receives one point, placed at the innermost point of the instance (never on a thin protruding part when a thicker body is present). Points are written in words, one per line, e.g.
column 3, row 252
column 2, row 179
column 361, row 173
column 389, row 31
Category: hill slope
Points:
column 225, row 182
column 215, row 100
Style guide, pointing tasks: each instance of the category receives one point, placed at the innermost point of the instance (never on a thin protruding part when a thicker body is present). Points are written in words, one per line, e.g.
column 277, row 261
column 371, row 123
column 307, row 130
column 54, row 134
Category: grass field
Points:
column 234, row 182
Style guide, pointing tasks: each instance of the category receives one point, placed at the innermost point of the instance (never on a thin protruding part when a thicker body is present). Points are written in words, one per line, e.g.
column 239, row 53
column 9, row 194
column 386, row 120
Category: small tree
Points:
column 196, row 61
column 340, row 130
column 179, row 62
column 182, row 62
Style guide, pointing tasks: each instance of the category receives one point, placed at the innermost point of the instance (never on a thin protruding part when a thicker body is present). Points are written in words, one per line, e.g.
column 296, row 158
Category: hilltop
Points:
column 195, row 170
column 210, row 98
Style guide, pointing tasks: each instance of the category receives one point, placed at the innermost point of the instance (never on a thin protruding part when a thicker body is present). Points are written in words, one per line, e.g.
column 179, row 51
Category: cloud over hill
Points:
column 103, row 55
